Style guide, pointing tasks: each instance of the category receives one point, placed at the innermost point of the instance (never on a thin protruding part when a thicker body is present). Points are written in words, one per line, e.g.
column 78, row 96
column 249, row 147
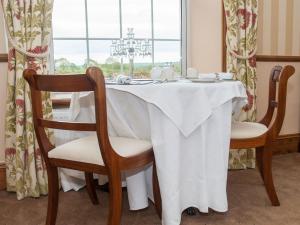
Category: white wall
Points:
column 3, row 72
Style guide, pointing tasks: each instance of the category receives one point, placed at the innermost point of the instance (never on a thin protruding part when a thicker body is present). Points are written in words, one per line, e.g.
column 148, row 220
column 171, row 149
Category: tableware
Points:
column 123, row 79
column 156, row 73
column 225, row 76
column 207, row 76
column 168, row 74
column 229, row 80
column 192, row 73
column 204, row 80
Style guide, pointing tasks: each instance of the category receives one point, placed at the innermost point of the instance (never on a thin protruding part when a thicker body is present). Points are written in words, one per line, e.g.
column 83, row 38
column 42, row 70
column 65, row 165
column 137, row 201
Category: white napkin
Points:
column 192, row 73
column 225, row 76
column 221, row 76
column 168, row 74
column 123, row 79
column 163, row 73
column 156, row 73
column 207, row 76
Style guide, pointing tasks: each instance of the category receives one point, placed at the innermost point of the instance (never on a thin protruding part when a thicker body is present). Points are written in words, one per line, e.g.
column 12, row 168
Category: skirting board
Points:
column 2, row 177
column 287, row 144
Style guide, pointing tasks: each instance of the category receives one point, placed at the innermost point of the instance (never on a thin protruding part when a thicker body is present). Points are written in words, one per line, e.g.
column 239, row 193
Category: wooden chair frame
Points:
column 263, row 144
column 93, row 80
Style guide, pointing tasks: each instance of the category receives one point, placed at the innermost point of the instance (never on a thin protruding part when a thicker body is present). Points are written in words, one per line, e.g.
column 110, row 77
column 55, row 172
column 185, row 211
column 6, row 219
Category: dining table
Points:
column 189, row 125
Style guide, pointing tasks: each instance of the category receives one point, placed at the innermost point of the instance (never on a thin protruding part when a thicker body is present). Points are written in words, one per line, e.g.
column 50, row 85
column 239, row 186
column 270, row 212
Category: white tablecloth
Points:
column 189, row 126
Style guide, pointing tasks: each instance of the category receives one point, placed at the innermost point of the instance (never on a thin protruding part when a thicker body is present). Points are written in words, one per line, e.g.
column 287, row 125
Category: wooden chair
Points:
column 98, row 153
column 261, row 135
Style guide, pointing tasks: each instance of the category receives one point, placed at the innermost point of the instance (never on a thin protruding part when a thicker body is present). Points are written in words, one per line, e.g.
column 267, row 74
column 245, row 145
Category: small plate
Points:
column 228, row 80
column 204, row 80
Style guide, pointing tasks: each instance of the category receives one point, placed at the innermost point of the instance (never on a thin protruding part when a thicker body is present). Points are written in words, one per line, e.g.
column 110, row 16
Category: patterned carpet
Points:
column 248, row 203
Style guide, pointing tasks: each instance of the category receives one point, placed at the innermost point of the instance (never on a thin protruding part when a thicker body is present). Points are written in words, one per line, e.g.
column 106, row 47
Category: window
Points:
column 84, row 30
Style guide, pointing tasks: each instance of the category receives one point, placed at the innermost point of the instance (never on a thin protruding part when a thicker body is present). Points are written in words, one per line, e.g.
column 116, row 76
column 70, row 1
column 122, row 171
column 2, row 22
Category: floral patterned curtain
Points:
column 28, row 24
column 241, row 20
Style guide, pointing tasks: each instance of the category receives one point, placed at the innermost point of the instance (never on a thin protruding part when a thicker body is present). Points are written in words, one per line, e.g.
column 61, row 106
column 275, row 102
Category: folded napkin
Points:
column 207, row 76
column 167, row 73
column 192, row 73
column 156, row 73
column 221, row 76
column 123, row 79
column 225, row 76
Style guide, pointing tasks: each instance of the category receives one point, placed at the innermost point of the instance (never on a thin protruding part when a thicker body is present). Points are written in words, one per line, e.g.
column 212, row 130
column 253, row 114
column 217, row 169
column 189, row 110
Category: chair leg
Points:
column 91, row 189
column 53, row 193
column 268, row 178
column 259, row 160
column 156, row 192
column 115, row 198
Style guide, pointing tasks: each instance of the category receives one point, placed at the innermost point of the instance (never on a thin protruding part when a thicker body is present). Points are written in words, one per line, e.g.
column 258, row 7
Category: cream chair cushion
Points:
column 241, row 130
column 87, row 149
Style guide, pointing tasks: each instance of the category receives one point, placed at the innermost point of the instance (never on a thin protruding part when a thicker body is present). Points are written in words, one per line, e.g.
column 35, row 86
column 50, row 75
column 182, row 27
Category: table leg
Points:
column 191, row 211
column 104, row 187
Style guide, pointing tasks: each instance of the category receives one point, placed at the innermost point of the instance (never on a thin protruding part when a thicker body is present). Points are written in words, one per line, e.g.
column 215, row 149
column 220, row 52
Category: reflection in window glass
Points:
column 103, row 17
column 70, row 56
column 69, row 21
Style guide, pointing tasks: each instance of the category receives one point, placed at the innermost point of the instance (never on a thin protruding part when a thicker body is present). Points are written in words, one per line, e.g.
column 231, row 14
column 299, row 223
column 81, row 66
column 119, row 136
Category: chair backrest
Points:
column 277, row 98
column 93, row 80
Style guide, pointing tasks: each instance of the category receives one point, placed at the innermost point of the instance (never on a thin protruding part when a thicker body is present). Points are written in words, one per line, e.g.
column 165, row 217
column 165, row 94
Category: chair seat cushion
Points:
column 87, row 149
column 242, row 130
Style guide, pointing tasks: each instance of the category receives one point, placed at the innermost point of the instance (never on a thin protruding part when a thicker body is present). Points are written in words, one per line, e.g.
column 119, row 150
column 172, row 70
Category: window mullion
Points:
column 87, row 33
column 121, row 30
column 152, row 31
column 183, row 35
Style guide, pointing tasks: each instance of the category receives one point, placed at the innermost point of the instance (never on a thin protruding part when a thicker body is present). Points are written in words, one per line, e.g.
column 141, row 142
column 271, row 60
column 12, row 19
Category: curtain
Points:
column 241, row 20
column 28, row 25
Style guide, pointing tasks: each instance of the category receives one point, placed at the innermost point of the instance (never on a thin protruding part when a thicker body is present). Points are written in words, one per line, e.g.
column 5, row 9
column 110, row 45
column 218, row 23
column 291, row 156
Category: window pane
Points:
column 167, row 18
column 100, row 56
column 103, row 17
column 167, row 53
column 142, row 66
column 69, row 18
column 70, row 56
column 136, row 14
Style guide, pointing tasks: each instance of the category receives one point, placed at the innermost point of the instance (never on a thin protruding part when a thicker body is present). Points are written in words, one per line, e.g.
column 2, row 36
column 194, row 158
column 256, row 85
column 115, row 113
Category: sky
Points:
column 104, row 22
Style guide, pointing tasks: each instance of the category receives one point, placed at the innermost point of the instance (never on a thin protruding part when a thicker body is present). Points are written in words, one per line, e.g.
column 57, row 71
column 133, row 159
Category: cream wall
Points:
column 204, row 35
column 205, row 52
column 3, row 71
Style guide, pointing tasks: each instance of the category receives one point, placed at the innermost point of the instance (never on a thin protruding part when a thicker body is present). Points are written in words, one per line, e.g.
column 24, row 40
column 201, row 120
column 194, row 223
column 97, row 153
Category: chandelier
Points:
column 130, row 48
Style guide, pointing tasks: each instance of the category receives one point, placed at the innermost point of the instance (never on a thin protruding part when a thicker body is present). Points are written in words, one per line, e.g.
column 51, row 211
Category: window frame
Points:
column 182, row 40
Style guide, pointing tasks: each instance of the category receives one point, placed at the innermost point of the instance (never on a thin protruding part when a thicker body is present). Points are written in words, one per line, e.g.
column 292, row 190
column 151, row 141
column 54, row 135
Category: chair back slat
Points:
column 281, row 95
column 93, row 80
column 61, row 125
column 62, row 83
column 277, row 98
column 274, row 75
column 276, row 71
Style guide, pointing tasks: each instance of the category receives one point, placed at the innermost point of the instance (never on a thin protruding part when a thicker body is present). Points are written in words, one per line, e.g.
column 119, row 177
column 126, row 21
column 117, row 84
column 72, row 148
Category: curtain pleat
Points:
column 241, row 20
column 28, row 24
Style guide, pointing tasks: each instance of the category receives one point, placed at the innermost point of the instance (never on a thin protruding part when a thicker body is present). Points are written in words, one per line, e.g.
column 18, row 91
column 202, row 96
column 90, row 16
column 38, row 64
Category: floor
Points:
column 248, row 203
